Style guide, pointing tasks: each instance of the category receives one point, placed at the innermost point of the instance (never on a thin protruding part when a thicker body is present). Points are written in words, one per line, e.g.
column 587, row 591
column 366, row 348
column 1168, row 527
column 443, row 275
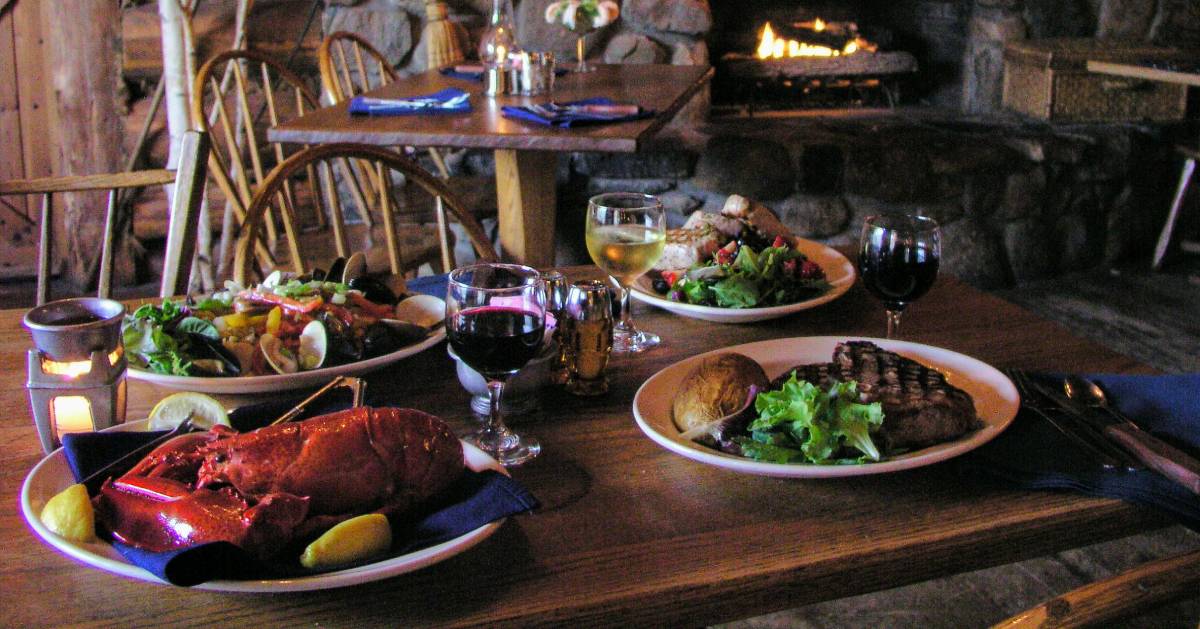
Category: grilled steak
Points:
column 919, row 407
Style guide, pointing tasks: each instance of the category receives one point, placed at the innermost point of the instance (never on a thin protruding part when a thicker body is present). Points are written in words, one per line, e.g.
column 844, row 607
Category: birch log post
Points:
column 83, row 61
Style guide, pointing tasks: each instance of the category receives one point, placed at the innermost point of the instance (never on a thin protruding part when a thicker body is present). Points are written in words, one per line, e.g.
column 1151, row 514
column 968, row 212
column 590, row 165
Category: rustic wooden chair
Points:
column 188, row 179
column 238, row 95
column 405, row 247
column 350, row 66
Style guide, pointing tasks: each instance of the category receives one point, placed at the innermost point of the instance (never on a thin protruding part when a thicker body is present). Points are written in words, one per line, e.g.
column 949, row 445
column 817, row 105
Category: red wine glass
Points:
column 898, row 260
column 495, row 320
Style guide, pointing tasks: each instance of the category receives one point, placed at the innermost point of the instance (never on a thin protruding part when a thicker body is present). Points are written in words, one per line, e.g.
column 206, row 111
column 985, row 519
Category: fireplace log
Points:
column 858, row 64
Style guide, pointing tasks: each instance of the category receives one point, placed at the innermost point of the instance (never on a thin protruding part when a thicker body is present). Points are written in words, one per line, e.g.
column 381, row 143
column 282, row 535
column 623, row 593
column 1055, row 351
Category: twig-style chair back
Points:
column 350, row 66
column 188, row 180
column 323, row 189
column 238, row 95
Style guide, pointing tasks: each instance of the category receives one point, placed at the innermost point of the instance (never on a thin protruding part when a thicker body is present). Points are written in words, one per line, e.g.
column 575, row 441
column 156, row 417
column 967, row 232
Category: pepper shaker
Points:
column 588, row 335
column 556, row 288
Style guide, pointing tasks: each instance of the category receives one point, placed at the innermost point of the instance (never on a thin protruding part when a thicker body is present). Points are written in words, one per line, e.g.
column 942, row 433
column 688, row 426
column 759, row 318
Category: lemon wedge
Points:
column 170, row 411
column 69, row 514
column 356, row 539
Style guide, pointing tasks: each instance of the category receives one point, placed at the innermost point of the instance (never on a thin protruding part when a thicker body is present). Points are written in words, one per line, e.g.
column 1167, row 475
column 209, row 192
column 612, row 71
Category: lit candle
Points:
column 71, row 413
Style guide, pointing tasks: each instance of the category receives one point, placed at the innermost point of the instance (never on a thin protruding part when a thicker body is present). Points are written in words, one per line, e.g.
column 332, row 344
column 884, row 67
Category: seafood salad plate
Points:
column 993, row 396
column 284, row 333
column 53, row 474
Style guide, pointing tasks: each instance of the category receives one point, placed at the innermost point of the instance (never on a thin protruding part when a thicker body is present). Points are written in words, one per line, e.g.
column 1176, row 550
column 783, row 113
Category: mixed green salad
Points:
column 801, row 423
column 742, row 276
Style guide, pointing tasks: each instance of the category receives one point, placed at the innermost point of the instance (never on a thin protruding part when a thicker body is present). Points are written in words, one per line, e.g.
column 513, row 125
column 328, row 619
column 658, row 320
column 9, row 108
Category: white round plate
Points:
column 996, row 403
column 839, row 272
column 284, row 382
column 53, row 475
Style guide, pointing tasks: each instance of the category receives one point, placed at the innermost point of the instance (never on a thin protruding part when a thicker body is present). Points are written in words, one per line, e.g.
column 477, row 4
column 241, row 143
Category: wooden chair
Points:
column 238, row 95
column 188, row 178
column 403, row 247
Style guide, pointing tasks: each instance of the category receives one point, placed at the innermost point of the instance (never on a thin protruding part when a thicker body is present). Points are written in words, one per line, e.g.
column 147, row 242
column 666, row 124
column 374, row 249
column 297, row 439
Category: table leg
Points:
column 526, row 196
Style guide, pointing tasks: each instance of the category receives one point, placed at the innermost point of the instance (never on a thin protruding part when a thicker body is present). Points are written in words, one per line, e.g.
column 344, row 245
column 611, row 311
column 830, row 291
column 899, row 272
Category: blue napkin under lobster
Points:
column 448, row 101
column 1031, row 454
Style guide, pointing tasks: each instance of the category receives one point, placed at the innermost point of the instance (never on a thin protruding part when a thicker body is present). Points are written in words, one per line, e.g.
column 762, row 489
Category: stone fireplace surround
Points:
column 1019, row 200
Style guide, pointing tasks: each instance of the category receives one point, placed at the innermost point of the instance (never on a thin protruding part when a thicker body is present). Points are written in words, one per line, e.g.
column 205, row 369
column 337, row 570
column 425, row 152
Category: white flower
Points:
column 608, row 13
column 568, row 16
column 553, row 11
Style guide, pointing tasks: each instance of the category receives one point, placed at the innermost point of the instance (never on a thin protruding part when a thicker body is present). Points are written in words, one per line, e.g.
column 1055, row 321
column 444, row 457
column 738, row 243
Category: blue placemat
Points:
column 429, row 285
column 448, row 101
column 566, row 115
column 1031, row 454
column 476, row 499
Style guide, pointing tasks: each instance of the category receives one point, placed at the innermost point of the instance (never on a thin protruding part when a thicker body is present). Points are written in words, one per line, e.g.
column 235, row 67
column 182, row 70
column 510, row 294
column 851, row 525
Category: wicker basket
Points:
column 1048, row 79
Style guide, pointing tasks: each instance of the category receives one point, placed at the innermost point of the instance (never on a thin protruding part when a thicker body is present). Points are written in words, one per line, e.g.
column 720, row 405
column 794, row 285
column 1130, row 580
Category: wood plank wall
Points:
column 24, row 151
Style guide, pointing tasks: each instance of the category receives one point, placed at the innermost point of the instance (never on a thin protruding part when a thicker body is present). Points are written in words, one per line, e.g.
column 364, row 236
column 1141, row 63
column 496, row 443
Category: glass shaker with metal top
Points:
column 557, row 287
column 588, row 337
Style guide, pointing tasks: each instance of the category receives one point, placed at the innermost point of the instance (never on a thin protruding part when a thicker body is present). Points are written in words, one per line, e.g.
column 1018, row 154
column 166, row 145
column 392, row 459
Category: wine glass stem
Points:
column 495, row 436
column 893, row 323
column 625, row 325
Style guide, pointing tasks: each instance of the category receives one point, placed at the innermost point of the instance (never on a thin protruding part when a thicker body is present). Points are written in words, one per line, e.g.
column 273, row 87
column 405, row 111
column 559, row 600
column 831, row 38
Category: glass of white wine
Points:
column 625, row 235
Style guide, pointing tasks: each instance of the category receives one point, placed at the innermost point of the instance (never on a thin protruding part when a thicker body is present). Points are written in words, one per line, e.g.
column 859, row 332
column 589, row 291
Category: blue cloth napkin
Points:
column 448, row 101
column 476, row 499
column 563, row 116
column 1031, row 454
column 429, row 285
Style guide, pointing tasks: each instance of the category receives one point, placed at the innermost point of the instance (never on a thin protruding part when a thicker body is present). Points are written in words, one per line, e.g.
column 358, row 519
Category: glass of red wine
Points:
column 898, row 259
column 495, row 319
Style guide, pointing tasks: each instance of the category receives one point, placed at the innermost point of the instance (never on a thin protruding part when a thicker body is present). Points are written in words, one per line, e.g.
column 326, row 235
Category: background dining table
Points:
column 526, row 154
column 628, row 533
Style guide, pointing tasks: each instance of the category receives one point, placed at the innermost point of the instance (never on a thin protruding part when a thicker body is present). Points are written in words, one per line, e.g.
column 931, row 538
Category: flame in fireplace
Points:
column 771, row 46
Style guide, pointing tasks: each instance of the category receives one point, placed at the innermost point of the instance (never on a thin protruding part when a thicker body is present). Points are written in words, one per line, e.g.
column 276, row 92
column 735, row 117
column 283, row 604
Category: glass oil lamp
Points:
column 76, row 369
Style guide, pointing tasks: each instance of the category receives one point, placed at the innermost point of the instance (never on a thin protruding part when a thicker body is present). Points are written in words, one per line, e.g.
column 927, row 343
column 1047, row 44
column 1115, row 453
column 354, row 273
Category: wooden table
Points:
column 525, row 153
column 629, row 533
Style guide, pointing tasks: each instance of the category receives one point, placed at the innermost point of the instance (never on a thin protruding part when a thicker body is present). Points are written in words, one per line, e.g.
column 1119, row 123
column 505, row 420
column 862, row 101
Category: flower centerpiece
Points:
column 582, row 17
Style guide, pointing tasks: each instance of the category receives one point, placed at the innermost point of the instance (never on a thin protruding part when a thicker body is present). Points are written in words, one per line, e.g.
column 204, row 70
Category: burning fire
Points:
column 771, row 46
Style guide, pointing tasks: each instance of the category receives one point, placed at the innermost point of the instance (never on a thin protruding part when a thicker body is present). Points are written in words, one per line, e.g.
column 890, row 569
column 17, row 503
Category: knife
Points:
column 1157, row 454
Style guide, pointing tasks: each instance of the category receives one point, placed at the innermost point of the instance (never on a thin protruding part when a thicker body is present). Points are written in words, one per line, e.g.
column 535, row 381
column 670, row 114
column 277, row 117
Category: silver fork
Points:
column 1108, row 456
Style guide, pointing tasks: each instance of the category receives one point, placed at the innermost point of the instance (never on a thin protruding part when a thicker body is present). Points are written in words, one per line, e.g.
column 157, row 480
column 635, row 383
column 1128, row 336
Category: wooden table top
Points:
column 663, row 88
column 628, row 533
column 1138, row 71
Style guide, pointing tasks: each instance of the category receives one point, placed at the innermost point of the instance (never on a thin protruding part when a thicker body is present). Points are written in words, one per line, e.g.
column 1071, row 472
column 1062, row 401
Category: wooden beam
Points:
column 83, row 65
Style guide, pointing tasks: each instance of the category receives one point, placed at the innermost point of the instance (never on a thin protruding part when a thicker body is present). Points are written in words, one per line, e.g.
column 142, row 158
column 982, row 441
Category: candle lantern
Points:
column 77, row 367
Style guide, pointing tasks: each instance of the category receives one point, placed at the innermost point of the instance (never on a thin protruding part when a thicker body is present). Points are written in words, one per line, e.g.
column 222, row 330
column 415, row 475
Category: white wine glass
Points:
column 625, row 235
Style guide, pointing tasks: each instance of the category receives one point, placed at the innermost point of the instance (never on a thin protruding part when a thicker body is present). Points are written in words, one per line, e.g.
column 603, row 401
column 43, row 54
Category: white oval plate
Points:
column 53, row 475
column 839, row 272
column 284, row 382
column 996, row 403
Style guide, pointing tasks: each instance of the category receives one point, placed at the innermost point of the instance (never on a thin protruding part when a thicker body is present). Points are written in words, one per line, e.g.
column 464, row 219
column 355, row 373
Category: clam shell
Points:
column 426, row 311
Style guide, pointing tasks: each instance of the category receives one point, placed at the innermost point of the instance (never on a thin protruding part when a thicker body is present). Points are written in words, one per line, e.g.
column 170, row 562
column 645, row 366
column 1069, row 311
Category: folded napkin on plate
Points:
column 450, row 100
column 589, row 111
column 1033, row 455
column 476, row 499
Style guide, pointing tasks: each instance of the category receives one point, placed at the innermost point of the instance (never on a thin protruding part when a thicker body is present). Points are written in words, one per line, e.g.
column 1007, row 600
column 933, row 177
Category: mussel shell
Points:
column 426, row 311
column 336, row 269
column 374, row 290
column 355, row 267
column 205, row 349
column 379, row 339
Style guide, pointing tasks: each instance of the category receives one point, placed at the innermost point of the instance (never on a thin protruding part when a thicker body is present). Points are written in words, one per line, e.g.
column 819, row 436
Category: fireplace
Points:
column 780, row 56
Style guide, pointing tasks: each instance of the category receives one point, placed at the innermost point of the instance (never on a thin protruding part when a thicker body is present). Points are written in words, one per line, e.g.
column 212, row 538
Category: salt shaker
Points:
column 588, row 336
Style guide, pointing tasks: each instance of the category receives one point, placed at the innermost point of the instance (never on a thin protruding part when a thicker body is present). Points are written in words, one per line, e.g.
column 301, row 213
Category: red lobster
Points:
column 264, row 489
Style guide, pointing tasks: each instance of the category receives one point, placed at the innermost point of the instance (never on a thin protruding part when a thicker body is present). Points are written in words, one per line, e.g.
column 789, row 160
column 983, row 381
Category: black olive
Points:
column 660, row 286
column 374, row 290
